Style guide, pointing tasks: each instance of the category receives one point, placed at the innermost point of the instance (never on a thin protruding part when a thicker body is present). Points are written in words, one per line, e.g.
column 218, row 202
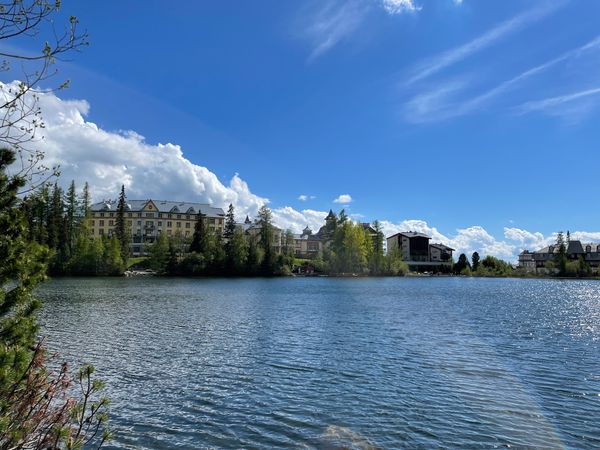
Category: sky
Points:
column 474, row 121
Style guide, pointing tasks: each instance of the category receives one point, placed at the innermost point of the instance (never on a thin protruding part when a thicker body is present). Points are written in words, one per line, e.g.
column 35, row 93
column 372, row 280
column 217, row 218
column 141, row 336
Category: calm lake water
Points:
column 337, row 363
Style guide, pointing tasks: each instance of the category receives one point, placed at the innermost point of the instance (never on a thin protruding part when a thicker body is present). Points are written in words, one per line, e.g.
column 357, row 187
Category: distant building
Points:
column 532, row 261
column 309, row 245
column 147, row 219
column 417, row 252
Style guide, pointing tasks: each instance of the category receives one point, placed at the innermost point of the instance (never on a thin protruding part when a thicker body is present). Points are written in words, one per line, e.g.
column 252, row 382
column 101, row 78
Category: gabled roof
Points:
column 331, row 215
column 575, row 247
column 442, row 247
column 410, row 234
column 163, row 206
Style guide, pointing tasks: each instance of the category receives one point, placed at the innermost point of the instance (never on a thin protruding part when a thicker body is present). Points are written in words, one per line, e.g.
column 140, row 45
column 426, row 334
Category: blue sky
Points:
column 455, row 113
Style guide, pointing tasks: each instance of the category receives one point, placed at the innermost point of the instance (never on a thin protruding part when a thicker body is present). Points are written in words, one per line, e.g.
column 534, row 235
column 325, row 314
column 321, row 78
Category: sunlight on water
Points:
column 328, row 363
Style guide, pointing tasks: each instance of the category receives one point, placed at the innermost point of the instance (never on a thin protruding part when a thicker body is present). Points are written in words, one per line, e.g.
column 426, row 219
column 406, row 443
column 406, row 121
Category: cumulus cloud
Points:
column 343, row 199
column 107, row 159
column 305, row 198
column 289, row 218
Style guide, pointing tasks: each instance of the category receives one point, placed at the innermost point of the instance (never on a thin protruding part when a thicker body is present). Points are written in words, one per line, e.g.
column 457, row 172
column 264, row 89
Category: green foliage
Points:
column 36, row 409
column 475, row 261
column 122, row 233
column 491, row 266
column 461, row 264
column 158, row 254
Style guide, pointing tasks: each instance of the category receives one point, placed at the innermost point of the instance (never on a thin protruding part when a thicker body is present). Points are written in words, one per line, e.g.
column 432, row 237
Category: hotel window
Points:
column 101, row 232
column 170, row 216
column 187, row 224
column 211, row 220
column 159, row 215
column 179, row 216
column 187, row 216
column 149, row 223
column 169, row 224
column 128, row 214
column 187, row 233
column 178, row 224
column 139, row 214
column 149, row 214
column 102, row 223
column 160, row 223
column 139, row 222
column 110, row 223
column 93, row 222
column 101, row 214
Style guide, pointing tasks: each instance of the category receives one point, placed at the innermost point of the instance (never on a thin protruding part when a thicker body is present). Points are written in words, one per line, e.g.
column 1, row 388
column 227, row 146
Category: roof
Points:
column 410, row 234
column 442, row 247
column 367, row 227
column 331, row 215
column 574, row 247
column 163, row 206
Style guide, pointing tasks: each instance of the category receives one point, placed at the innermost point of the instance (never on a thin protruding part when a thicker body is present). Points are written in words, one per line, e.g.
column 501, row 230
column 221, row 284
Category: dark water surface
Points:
column 338, row 363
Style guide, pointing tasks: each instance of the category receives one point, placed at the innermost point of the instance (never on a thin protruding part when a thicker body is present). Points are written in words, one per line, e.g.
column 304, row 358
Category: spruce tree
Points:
column 121, row 231
column 229, row 223
column 85, row 200
column 198, row 244
column 70, row 217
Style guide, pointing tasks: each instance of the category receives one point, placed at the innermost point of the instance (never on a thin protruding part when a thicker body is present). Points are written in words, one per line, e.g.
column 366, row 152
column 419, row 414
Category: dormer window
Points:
column 551, row 249
column 588, row 248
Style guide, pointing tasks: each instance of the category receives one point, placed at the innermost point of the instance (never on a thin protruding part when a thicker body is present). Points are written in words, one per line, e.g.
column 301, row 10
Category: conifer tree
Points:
column 475, row 261
column 229, row 223
column 71, row 211
column 121, row 232
column 85, row 200
column 198, row 244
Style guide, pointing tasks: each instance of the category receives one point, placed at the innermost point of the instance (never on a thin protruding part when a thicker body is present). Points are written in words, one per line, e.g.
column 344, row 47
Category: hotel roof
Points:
column 163, row 206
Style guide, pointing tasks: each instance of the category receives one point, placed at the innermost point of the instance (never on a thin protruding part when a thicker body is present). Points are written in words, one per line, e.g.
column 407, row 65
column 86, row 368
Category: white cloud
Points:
column 305, row 198
column 289, row 218
column 457, row 2
column 106, row 160
column 337, row 20
column 565, row 105
column 442, row 103
column 400, row 6
column 332, row 24
column 343, row 199
column 455, row 55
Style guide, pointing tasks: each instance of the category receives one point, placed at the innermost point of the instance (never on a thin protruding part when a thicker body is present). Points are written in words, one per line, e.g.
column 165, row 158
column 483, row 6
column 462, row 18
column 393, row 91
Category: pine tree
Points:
column 121, row 232
column 377, row 254
column 560, row 257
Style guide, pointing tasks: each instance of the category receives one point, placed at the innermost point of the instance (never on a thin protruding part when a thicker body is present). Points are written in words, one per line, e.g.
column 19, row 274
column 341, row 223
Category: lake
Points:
column 337, row 363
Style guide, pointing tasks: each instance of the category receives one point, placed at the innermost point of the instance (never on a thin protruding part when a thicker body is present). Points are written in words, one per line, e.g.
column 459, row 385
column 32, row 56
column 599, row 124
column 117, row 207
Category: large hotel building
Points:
column 146, row 219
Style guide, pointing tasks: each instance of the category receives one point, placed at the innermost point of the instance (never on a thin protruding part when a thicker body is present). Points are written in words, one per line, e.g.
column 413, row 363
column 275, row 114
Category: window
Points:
column 111, row 214
column 187, row 217
column 139, row 222
column 170, row 216
column 101, row 232
column 128, row 214
column 588, row 248
column 129, row 223
column 101, row 214
column 149, row 214
column 179, row 216
column 110, row 223
column 178, row 224
column 159, row 215
column 149, row 223
column 93, row 222
column 139, row 214
column 187, row 224
column 211, row 220
column 101, row 223
column 149, row 206
column 169, row 232
column 169, row 224
column 160, row 223
column 187, row 233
